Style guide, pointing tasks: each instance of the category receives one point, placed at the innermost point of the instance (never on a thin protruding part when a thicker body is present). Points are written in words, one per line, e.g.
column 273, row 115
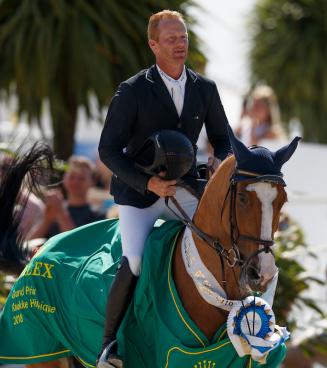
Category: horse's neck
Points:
column 207, row 317
column 208, row 218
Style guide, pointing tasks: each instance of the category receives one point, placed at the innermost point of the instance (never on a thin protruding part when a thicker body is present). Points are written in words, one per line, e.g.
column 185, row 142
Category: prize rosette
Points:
column 252, row 330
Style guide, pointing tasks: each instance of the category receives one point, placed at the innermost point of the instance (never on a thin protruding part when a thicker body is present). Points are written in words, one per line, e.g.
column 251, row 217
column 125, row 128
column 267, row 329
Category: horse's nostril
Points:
column 253, row 273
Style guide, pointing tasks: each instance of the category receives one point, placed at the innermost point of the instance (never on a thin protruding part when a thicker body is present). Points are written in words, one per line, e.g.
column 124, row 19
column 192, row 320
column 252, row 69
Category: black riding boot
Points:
column 120, row 295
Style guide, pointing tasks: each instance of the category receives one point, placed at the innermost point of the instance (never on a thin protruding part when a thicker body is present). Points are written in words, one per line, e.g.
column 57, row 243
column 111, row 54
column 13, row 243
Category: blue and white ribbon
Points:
column 252, row 330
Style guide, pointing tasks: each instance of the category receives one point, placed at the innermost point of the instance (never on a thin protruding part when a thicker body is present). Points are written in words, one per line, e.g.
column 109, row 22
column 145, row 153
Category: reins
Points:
column 213, row 243
column 187, row 221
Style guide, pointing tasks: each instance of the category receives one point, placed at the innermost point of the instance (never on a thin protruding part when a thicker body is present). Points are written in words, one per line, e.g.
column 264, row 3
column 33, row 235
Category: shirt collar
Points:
column 166, row 77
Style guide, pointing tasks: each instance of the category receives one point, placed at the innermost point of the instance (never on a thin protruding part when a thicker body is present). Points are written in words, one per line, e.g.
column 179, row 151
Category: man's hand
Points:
column 162, row 188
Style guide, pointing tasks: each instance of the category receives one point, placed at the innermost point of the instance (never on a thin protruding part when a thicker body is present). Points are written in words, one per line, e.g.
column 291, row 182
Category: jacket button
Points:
column 179, row 125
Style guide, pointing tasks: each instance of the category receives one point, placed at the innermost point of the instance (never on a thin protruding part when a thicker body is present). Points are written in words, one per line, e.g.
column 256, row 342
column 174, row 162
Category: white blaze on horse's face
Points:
column 266, row 193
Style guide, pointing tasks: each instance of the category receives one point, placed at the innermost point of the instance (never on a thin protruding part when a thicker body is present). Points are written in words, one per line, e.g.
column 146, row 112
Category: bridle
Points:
column 232, row 256
column 235, row 235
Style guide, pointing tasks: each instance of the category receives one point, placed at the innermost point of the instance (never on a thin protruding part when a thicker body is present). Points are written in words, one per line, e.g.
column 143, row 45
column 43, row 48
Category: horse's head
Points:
column 242, row 204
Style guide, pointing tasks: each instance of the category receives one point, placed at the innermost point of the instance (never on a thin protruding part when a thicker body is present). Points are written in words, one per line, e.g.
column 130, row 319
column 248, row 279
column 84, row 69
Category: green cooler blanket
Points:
column 57, row 306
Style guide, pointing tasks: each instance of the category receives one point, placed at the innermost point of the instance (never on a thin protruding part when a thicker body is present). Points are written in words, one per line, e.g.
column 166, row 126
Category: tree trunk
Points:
column 64, row 125
column 64, row 133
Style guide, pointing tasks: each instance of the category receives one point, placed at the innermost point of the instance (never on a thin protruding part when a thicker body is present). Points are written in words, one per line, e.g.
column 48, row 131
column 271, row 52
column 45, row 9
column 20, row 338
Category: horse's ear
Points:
column 241, row 152
column 286, row 152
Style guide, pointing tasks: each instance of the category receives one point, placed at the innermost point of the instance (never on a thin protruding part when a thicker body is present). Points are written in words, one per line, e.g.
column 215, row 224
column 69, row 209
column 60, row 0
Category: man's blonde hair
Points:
column 157, row 17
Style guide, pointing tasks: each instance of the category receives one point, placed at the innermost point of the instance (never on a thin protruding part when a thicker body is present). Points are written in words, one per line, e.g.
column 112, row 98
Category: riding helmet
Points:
column 166, row 150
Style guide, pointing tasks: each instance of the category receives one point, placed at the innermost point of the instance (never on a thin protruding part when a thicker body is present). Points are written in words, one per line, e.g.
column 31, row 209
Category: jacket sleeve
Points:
column 118, row 127
column 216, row 125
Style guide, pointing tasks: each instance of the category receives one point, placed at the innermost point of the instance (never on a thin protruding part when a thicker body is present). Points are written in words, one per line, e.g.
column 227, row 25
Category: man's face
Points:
column 172, row 44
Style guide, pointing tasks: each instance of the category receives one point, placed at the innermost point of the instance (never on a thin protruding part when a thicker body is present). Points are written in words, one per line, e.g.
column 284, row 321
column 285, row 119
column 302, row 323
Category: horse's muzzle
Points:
column 250, row 278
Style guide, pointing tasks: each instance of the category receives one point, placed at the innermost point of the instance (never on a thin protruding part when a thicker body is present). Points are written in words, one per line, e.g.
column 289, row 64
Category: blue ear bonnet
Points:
column 259, row 163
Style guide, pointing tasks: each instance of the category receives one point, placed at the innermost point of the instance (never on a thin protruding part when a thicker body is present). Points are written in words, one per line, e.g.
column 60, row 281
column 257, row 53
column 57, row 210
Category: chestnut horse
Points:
column 229, row 241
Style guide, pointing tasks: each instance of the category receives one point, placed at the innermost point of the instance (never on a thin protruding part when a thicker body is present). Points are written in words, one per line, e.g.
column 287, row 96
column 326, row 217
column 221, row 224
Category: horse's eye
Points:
column 243, row 198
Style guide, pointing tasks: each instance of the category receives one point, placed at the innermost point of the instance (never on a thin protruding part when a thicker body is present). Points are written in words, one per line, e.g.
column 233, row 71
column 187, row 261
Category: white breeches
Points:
column 136, row 224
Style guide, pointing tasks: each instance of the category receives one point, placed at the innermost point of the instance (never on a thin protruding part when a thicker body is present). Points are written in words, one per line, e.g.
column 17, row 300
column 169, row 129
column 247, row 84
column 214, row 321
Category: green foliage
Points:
column 289, row 53
column 63, row 51
column 315, row 345
column 292, row 282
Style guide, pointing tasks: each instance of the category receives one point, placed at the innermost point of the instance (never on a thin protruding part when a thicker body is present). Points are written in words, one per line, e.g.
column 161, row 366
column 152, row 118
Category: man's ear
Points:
column 152, row 45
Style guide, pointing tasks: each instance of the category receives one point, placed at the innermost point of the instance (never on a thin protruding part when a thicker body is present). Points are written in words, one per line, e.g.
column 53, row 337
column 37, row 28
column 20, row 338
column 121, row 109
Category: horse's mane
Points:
column 21, row 170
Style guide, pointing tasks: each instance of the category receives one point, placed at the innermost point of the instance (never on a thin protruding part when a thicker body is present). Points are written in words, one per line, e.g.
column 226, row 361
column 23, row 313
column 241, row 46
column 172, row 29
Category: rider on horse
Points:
column 166, row 96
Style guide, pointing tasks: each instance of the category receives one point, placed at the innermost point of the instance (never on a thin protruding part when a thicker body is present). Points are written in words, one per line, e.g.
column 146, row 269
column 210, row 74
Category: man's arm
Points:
column 118, row 127
column 216, row 125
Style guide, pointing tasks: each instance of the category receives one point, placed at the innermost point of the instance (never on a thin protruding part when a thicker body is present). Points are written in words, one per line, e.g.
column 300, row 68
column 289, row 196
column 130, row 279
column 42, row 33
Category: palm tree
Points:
column 289, row 53
column 65, row 51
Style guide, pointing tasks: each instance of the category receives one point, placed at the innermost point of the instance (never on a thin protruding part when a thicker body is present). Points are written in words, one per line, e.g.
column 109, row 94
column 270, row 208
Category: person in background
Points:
column 244, row 128
column 260, row 119
column 62, row 215
column 103, row 175
column 31, row 205
column 99, row 192
column 265, row 115
column 167, row 96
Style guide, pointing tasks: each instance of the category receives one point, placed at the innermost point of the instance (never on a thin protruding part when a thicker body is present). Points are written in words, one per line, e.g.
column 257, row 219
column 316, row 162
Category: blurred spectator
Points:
column 32, row 206
column 33, row 212
column 103, row 175
column 260, row 117
column 62, row 215
column 98, row 194
column 243, row 131
column 113, row 212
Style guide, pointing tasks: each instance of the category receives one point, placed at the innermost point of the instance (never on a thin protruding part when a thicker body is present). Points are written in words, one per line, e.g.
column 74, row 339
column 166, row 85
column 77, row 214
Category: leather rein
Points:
column 233, row 255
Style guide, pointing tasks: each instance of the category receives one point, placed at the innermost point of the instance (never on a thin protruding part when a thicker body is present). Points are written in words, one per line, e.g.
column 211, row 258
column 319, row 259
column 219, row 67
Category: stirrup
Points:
column 109, row 358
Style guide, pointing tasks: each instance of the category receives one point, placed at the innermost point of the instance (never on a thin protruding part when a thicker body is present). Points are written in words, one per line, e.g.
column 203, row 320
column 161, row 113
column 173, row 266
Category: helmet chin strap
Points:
column 207, row 285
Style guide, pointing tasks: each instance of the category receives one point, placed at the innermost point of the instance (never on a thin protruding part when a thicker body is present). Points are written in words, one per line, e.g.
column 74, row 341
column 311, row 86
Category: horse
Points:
column 192, row 276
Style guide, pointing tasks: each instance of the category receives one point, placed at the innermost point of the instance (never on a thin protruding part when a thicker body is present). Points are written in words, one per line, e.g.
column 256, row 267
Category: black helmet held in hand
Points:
column 166, row 150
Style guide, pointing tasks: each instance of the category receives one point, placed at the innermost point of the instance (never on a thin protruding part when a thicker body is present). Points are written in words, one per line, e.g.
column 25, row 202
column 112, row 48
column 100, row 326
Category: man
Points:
column 60, row 215
column 165, row 96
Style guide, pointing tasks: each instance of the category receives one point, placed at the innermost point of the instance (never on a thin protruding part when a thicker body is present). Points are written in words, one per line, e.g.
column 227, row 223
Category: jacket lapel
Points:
column 160, row 89
column 191, row 93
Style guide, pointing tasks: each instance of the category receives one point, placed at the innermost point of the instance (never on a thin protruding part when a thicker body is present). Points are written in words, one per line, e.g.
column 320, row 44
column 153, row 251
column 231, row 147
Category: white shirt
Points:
column 176, row 88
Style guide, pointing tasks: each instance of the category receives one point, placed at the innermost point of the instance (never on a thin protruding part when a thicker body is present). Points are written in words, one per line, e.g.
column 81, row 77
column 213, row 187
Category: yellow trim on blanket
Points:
column 222, row 334
column 172, row 295
column 34, row 357
column 193, row 353
column 86, row 364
